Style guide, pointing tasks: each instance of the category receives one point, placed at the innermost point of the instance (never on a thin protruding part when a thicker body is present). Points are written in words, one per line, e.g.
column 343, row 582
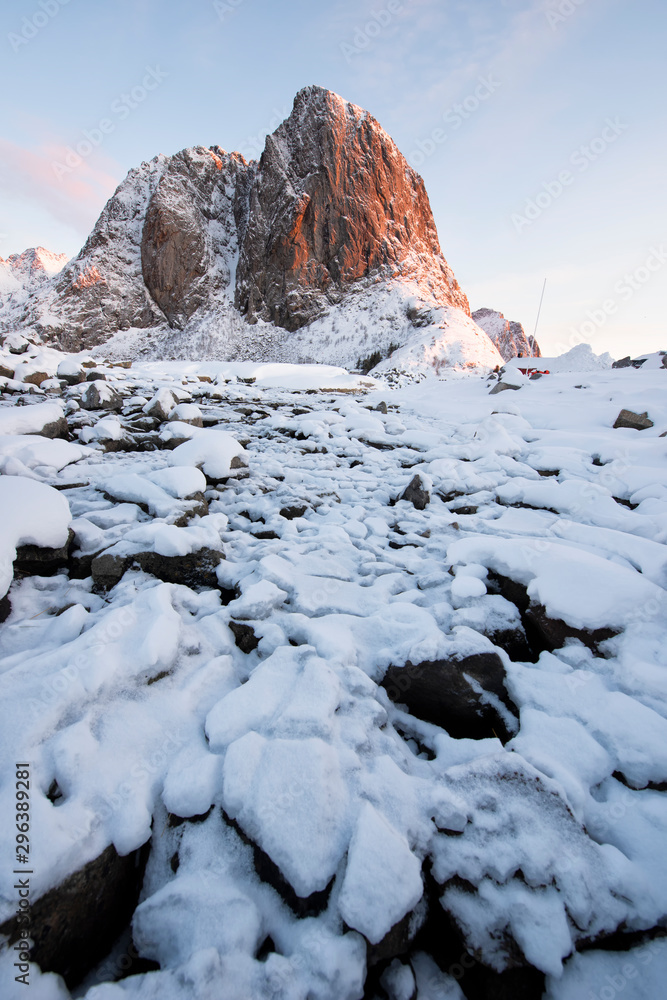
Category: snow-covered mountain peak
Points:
column 195, row 250
column 36, row 263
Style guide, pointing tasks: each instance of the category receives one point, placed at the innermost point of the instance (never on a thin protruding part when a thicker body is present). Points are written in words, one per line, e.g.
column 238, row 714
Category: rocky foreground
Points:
column 332, row 691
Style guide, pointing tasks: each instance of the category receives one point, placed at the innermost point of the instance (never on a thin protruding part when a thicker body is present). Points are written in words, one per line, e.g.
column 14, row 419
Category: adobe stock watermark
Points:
column 121, row 108
column 35, row 22
column 625, row 289
column 454, row 117
column 559, row 12
column 581, row 158
column 364, row 34
column 252, row 147
column 225, row 8
column 614, row 985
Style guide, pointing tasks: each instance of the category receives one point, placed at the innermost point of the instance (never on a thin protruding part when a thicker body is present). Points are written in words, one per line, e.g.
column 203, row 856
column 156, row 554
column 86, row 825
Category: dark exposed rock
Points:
column 623, row 362
column 416, row 494
column 502, row 386
column 514, row 642
column 16, row 343
column 198, row 569
column 195, row 420
column 398, row 940
column 55, row 429
column 100, row 396
column 173, row 820
column 6, row 372
column 293, row 510
column 73, row 379
column 441, row 938
column 269, row 872
column 74, row 925
column 174, row 251
column 34, row 560
column 142, row 423
column 636, row 421
column 244, row 636
column 437, row 691
column 553, row 632
column 542, row 632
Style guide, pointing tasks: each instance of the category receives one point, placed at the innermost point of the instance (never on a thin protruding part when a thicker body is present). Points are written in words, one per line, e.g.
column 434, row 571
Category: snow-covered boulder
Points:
column 99, row 395
column 162, row 493
column 382, row 880
column 188, row 555
column 216, row 453
column 187, row 413
column 108, row 432
column 31, row 513
column 46, row 419
column 22, row 452
column 161, row 405
column 71, row 371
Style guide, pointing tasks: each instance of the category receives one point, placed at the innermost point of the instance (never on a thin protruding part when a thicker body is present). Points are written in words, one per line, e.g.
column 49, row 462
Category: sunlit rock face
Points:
column 333, row 202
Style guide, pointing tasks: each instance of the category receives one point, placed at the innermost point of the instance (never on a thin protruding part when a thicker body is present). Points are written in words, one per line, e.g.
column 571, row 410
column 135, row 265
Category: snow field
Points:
column 140, row 703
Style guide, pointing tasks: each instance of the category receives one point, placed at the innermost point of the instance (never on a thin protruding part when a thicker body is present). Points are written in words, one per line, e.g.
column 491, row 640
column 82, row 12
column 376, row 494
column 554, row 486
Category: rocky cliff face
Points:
column 205, row 242
column 333, row 202
column 508, row 336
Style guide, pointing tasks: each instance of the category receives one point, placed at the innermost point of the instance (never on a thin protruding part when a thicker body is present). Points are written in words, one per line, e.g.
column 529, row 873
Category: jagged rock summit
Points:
column 324, row 249
column 508, row 336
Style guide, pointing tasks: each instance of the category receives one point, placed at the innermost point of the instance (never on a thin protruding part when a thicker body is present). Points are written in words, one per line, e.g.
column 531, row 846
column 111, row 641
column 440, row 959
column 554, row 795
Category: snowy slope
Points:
column 8, row 281
column 228, row 672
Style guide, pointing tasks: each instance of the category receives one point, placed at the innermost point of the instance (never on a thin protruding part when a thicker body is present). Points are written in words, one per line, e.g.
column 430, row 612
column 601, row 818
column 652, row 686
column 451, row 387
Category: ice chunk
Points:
column 196, row 911
column 290, row 798
column 292, row 694
column 382, row 879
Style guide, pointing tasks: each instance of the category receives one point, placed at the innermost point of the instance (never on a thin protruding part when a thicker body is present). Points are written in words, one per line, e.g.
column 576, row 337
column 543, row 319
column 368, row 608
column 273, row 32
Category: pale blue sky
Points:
column 558, row 75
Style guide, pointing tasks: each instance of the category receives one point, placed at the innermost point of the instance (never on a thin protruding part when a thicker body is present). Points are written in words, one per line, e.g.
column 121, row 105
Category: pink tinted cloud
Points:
column 75, row 196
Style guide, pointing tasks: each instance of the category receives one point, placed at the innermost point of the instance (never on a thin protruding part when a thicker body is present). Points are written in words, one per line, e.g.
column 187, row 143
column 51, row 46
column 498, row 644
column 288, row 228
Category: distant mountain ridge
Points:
column 25, row 271
column 324, row 249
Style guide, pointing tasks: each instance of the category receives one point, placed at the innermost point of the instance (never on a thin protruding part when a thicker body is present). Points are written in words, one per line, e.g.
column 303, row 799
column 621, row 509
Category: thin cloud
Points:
column 74, row 195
